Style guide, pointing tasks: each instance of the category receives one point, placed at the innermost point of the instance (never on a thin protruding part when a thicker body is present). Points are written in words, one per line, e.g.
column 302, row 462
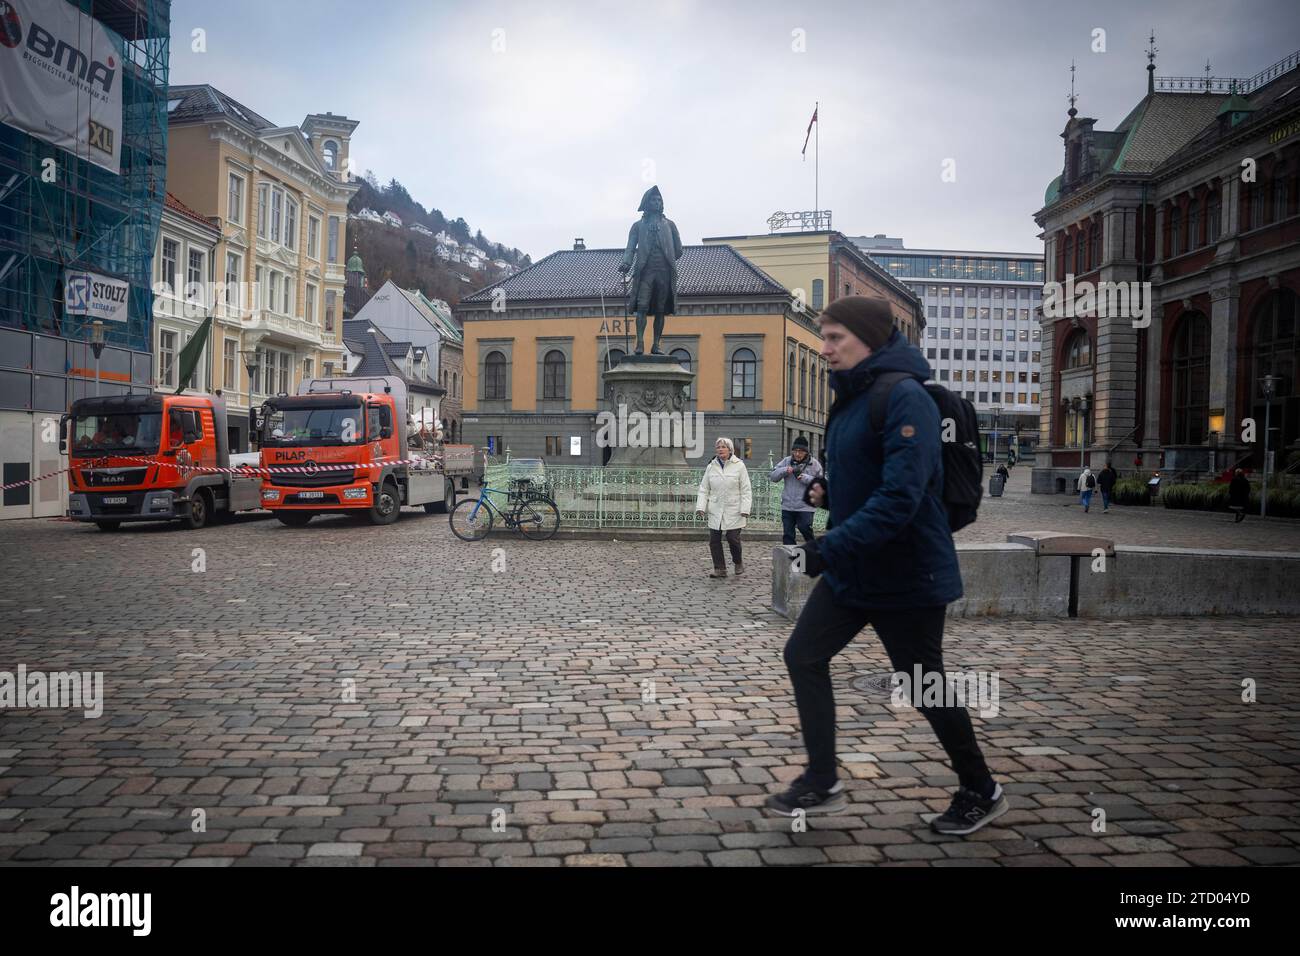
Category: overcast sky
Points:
column 540, row 121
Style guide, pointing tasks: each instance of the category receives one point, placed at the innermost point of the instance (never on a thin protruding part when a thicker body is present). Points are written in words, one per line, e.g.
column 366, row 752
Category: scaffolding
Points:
column 88, row 218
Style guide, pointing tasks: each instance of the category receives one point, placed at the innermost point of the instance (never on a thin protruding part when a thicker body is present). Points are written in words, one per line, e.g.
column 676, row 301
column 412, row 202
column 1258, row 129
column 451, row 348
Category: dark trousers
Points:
column 910, row 637
column 792, row 520
column 715, row 546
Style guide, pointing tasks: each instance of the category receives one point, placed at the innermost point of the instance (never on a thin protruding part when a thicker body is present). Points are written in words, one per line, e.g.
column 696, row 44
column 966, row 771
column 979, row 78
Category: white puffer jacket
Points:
column 725, row 494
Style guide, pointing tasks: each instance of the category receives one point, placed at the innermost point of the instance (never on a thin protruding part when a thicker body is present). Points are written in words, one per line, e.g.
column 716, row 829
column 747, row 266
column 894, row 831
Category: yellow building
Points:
column 821, row 266
column 537, row 343
column 280, row 194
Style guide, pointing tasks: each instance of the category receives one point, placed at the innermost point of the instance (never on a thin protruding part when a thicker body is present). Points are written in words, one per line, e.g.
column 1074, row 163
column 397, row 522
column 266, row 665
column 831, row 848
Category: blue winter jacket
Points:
column 889, row 545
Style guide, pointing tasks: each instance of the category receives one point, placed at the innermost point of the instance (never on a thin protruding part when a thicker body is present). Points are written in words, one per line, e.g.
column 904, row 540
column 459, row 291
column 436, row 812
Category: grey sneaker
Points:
column 969, row 811
column 802, row 795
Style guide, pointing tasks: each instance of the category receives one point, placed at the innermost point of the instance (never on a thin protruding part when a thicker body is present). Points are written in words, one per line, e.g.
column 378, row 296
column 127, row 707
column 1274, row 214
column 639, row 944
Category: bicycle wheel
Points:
column 538, row 518
column 467, row 525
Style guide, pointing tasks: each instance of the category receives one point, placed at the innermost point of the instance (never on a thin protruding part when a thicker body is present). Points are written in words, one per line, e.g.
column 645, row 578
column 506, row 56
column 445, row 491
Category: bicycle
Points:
column 534, row 515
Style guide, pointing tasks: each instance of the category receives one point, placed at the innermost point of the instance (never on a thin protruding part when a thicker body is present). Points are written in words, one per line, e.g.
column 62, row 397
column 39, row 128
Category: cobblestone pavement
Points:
column 1018, row 510
column 520, row 697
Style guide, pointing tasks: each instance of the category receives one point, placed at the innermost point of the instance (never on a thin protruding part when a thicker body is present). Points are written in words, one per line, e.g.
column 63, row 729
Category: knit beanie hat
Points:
column 799, row 442
column 870, row 319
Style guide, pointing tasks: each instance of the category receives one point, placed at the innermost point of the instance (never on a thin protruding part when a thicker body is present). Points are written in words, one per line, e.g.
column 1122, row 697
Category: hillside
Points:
column 409, row 258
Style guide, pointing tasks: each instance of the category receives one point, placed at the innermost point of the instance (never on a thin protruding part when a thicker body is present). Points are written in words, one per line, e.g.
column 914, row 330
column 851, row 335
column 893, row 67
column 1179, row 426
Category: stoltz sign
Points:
column 96, row 296
column 61, row 79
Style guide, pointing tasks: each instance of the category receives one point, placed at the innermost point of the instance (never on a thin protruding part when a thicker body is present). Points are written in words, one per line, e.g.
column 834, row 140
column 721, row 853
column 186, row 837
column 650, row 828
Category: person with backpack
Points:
column 887, row 558
column 1086, row 484
column 796, row 470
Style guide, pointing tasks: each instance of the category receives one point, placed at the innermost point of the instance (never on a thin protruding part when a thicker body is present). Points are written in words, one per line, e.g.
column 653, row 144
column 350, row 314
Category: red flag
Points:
column 804, row 151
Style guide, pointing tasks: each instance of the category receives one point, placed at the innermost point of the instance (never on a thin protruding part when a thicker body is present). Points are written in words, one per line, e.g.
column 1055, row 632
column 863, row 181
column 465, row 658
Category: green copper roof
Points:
column 354, row 264
column 1053, row 190
column 1236, row 104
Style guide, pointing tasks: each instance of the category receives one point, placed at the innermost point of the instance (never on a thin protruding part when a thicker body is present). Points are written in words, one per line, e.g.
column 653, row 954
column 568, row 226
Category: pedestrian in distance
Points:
column 724, row 501
column 887, row 558
column 1239, row 495
column 797, row 471
column 1106, row 485
column 1086, row 485
column 1002, row 470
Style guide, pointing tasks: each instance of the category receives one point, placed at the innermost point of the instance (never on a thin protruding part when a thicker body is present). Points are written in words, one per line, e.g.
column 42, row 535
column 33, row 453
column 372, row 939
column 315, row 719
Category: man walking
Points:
column 887, row 559
column 1106, row 485
column 1086, row 484
column 1239, row 495
column 797, row 470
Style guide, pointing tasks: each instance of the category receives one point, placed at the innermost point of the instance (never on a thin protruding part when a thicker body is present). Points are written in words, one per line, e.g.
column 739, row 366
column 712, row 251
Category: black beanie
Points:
column 799, row 442
column 868, row 318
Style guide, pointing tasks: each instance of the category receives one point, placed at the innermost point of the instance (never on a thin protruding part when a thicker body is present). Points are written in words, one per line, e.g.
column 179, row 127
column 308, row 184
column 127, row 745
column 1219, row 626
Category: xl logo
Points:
column 78, row 292
column 101, row 137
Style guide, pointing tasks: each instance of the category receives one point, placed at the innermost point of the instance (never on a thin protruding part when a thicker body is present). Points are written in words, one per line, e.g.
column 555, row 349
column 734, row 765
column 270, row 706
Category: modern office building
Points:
column 982, row 337
column 83, row 168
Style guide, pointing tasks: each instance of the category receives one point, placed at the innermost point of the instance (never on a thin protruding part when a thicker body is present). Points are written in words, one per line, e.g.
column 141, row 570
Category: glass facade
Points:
column 976, row 268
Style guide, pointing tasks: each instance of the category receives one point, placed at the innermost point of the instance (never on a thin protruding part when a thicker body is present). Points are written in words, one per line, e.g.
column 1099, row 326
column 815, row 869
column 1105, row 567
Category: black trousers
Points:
column 910, row 637
column 792, row 520
column 715, row 546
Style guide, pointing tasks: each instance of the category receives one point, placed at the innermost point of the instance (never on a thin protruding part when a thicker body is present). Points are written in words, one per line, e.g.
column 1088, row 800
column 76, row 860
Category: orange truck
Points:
column 341, row 446
column 134, row 458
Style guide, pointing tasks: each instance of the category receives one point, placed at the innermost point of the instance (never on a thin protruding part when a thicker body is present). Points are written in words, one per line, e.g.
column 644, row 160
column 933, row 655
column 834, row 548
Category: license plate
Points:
column 115, row 500
column 311, row 494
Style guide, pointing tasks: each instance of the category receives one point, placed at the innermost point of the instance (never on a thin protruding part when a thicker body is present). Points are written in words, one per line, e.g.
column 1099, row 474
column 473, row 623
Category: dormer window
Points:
column 330, row 152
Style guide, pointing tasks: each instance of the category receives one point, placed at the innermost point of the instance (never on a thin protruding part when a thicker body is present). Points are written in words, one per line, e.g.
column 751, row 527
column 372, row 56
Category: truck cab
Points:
column 333, row 449
column 140, row 458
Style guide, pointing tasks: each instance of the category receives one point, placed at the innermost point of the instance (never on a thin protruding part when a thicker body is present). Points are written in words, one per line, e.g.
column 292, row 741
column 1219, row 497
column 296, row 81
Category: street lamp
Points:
column 1269, row 386
column 1083, row 429
column 97, row 346
column 996, row 410
column 250, row 362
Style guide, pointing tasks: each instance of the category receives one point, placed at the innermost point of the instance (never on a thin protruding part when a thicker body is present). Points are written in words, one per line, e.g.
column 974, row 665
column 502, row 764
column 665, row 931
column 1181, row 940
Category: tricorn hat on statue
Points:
column 652, row 192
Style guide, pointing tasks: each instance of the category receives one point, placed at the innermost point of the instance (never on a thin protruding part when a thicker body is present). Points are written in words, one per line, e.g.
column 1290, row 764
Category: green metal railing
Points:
column 642, row 498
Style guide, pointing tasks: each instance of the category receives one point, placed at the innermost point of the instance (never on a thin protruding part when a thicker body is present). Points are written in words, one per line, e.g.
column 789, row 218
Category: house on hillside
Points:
column 446, row 239
column 393, row 220
column 421, row 229
column 367, row 215
column 407, row 316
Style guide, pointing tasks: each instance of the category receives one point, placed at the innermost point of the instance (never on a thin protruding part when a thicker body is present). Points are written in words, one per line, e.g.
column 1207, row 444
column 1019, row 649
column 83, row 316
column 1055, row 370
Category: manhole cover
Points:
column 874, row 683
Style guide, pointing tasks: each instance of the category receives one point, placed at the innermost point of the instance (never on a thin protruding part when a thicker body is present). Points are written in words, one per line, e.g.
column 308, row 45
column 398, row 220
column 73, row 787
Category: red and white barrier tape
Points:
column 258, row 471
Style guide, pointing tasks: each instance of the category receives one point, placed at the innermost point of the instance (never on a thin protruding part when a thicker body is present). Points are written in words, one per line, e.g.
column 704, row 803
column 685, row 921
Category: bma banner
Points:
column 61, row 79
column 100, row 297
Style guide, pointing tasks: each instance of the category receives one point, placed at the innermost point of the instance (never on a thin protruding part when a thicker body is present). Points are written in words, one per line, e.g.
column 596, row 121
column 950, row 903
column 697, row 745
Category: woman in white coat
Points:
column 725, row 498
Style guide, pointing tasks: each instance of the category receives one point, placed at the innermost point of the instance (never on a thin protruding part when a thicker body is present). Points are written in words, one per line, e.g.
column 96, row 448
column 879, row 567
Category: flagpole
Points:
column 817, row 159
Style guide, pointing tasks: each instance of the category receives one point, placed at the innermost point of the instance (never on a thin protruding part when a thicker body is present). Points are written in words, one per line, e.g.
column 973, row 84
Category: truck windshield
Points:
column 321, row 425
column 121, row 432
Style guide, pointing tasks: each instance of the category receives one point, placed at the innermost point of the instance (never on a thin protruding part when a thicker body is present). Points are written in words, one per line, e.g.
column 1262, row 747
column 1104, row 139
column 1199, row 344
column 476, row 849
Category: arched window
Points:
column 1094, row 246
column 494, row 376
column 1078, row 353
column 803, row 383
column 789, row 376
column 330, row 152
column 1213, row 217
column 453, row 384
column 553, row 375
column 1068, row 258
column 1191, row 379
column 1277, row 353
column 684, row 360
column 1194, row 225
column 1175, row 232
column 744, row 368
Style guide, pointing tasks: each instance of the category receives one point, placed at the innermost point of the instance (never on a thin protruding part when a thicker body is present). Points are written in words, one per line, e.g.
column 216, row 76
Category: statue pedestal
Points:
column 646, row 421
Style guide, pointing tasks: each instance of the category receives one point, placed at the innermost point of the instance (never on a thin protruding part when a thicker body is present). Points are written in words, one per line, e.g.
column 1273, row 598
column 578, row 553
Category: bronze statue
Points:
column 653, row 248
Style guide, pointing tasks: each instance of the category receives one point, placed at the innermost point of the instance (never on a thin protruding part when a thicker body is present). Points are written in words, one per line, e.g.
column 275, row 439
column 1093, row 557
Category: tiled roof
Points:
column 590, row 273
column 1265, row 103
column 397, row 348
column 202, row 101
column 444, row 323
column 178, row 207
column 1166, row 122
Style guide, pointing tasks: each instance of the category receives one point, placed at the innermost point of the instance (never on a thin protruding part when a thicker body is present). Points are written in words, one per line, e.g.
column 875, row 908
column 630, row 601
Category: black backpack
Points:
column 963, row 465
column 1091, row 482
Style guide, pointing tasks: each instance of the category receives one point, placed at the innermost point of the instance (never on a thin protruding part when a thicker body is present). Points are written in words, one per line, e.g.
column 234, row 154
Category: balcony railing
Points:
column 1227, row 84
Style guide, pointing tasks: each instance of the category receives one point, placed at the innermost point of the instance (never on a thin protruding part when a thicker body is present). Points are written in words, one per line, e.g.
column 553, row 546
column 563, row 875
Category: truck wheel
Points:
column 200, row 508
column 448, row 499
column 388, row 504
column 108, row 525
column 294, row 519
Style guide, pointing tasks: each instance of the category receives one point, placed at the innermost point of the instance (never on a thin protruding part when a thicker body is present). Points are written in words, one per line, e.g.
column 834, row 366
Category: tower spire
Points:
column 1151, row 62
column 1207, row 76
column 1072, row 97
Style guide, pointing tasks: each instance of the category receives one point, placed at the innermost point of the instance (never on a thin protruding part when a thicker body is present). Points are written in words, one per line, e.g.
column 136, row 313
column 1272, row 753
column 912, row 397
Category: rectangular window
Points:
column 285, row 358
column 945, row 333
column 309, row 303
column 945, row 312
column 1035, row 357
column 984, row 335
column 1022, row 376
column 997, row 335
column 984, row 397
column 943, row 353
column 229, row 366
column 277, row 205
column 997, row 375
column 273, row 291
column 932, row 332
column 997, row 314
column 170, row 254
column 327, row 369
column 290, row 224
column 970, row 375
column 232, row 280
column 984, row 375
column 313, row 238
column 288, row 296
column 194, row 277
column 235, row 199
column 1033, row 377
column 997, row 355
column 167, row 370
column 261, row 209
column 943, row 375
column 984, row 355
column 330, row 296
column 334, row 239
column 1033, row 398
column 929, row 353
column 970, row 355
column 932, row 311
column 1024, row 356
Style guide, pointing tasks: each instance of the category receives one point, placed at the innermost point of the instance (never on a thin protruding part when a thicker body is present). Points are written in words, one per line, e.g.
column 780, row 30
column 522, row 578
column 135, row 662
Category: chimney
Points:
column 579, row 245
